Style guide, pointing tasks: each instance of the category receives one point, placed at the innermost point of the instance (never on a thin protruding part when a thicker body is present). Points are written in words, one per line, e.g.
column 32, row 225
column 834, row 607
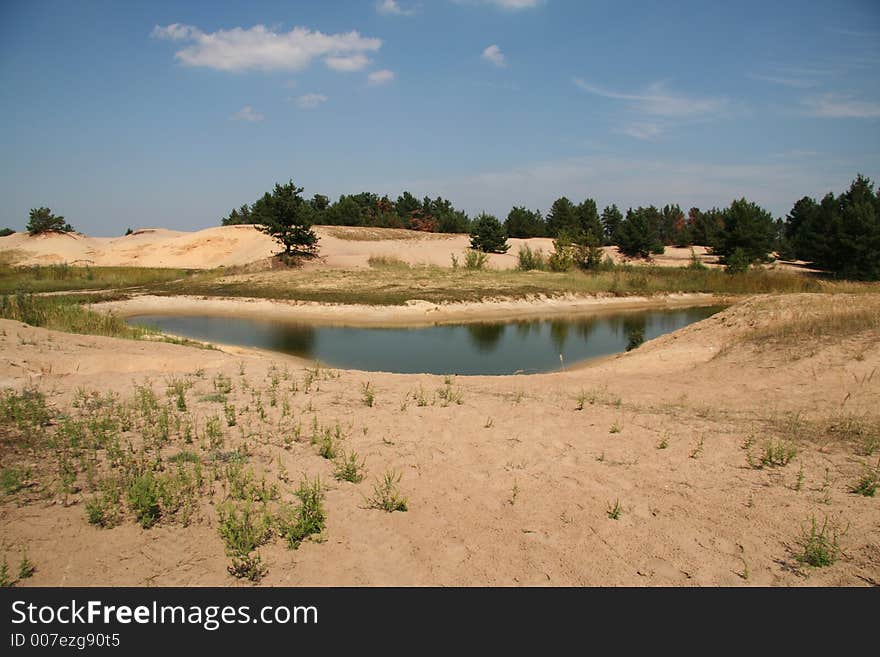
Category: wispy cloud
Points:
column 377, row 78
column 509, row 5
column 793, row 82
column 310, row 101
column 834, row 106
column 646, row 131
column 260, row 48
column 247, row 113
column 656, row 100
column 393, row 8
column 347, row 64
column 494, row 55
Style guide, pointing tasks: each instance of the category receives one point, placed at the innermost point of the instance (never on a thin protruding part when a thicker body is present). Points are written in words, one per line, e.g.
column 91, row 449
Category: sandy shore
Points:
column 509, row 485
column 414, row 313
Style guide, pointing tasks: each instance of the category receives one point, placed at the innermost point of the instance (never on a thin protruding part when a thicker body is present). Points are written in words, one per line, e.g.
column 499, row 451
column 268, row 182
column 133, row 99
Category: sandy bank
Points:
column 414, row 313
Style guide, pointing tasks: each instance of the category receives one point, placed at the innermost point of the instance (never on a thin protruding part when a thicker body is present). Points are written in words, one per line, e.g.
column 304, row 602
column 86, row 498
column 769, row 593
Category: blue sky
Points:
column 120, row 114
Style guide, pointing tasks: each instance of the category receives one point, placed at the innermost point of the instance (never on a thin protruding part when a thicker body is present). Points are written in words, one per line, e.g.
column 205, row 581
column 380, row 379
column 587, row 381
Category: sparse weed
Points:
column 349, row 468
column 386, row 494
column 820, row 546
column 614, row 511
column 368, row 393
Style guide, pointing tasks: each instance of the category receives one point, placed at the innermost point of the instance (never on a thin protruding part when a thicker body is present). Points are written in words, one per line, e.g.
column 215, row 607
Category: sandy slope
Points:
column 227, row 246
column 693, row 514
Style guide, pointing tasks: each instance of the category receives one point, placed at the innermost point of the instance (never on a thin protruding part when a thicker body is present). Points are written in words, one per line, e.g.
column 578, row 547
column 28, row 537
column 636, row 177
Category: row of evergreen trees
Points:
column 840, row 234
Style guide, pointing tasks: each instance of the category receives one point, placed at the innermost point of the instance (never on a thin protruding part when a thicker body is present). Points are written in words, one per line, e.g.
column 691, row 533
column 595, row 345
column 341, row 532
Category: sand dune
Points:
column 229, row 246
column 519, row 500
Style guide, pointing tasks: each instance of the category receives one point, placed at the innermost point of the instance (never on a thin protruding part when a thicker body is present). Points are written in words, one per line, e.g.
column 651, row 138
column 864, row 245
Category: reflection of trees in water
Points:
column 485, row 336
column 524, row 328
column 634, row 330
column 298, row 339
column 559, row 333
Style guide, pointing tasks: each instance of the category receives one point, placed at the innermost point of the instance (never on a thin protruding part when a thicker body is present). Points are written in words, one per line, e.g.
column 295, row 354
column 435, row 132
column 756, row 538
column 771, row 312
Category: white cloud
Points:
column 656, row 100
column 795, row 83
column 310, row 101
column 493, row 54
column 260, row 48
column 832, row 106
column 377, row 78
column 348, row 63
column 247, row 113
column 393, row 8
column 646, row 131
column 509, row 5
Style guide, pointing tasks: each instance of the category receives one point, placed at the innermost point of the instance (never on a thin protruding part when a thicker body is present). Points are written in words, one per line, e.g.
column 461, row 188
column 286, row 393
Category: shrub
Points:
column 737, row 262
column 43, row 221
column 562, row 258
column 488, row 235
column 820, row 546
column 528, row 260
column 475, row 260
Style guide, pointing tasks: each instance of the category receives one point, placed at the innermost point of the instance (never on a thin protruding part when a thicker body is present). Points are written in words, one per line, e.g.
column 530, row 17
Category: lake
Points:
column 509, row 347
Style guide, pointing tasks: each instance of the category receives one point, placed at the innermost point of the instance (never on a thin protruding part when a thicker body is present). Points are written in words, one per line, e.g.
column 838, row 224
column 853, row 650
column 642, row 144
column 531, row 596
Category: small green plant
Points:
column 869, row 481
column 581, row 400
column 243, row 531
column 386, row 494
column 614, row 511
column 664, row 442
column 5, row 579
column 26, row 568
column 229, row 412
column 475, row 260
column 697, row 451
column 528, row 260
column 799, row 482
column 514, row 493
column 617, row 427
column 778, row 453
column 308, row 518
column 348, row 468
column 13, row 479
column 223, row 383
column 820, row 546
column 368, row 393
column 143, row 497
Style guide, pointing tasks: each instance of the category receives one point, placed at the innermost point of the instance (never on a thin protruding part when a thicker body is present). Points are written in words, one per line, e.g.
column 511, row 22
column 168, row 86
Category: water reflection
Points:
column 474, row 348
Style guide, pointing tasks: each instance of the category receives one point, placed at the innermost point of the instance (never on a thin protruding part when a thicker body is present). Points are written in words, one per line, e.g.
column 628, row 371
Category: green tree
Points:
column 6, row 231
column 853, row 232
column 639, row 234
column 705, row 227
column 748, row 227
column 673, row 226
column 804, row 229
column 611, row 220
column 587, row 221
column 525, row 223
column 42, row 220
column 487, row 234
column 284, row 216
column 561, row 218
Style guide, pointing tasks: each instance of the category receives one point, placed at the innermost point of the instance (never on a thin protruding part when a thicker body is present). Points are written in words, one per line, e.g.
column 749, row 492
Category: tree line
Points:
column 840, row 234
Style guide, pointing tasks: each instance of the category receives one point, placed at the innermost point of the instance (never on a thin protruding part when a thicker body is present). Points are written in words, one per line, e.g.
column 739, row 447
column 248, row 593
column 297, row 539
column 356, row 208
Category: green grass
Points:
column 383, row 283
column 66, row 314
column 65, row 278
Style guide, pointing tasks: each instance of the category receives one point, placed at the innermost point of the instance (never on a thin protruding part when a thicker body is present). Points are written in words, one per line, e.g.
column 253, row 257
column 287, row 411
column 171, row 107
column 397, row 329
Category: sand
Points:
column 230, row 246
column 512, row 486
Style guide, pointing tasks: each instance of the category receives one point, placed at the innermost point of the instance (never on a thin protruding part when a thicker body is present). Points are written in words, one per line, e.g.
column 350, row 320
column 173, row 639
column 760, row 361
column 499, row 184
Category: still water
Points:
column 510, row 347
